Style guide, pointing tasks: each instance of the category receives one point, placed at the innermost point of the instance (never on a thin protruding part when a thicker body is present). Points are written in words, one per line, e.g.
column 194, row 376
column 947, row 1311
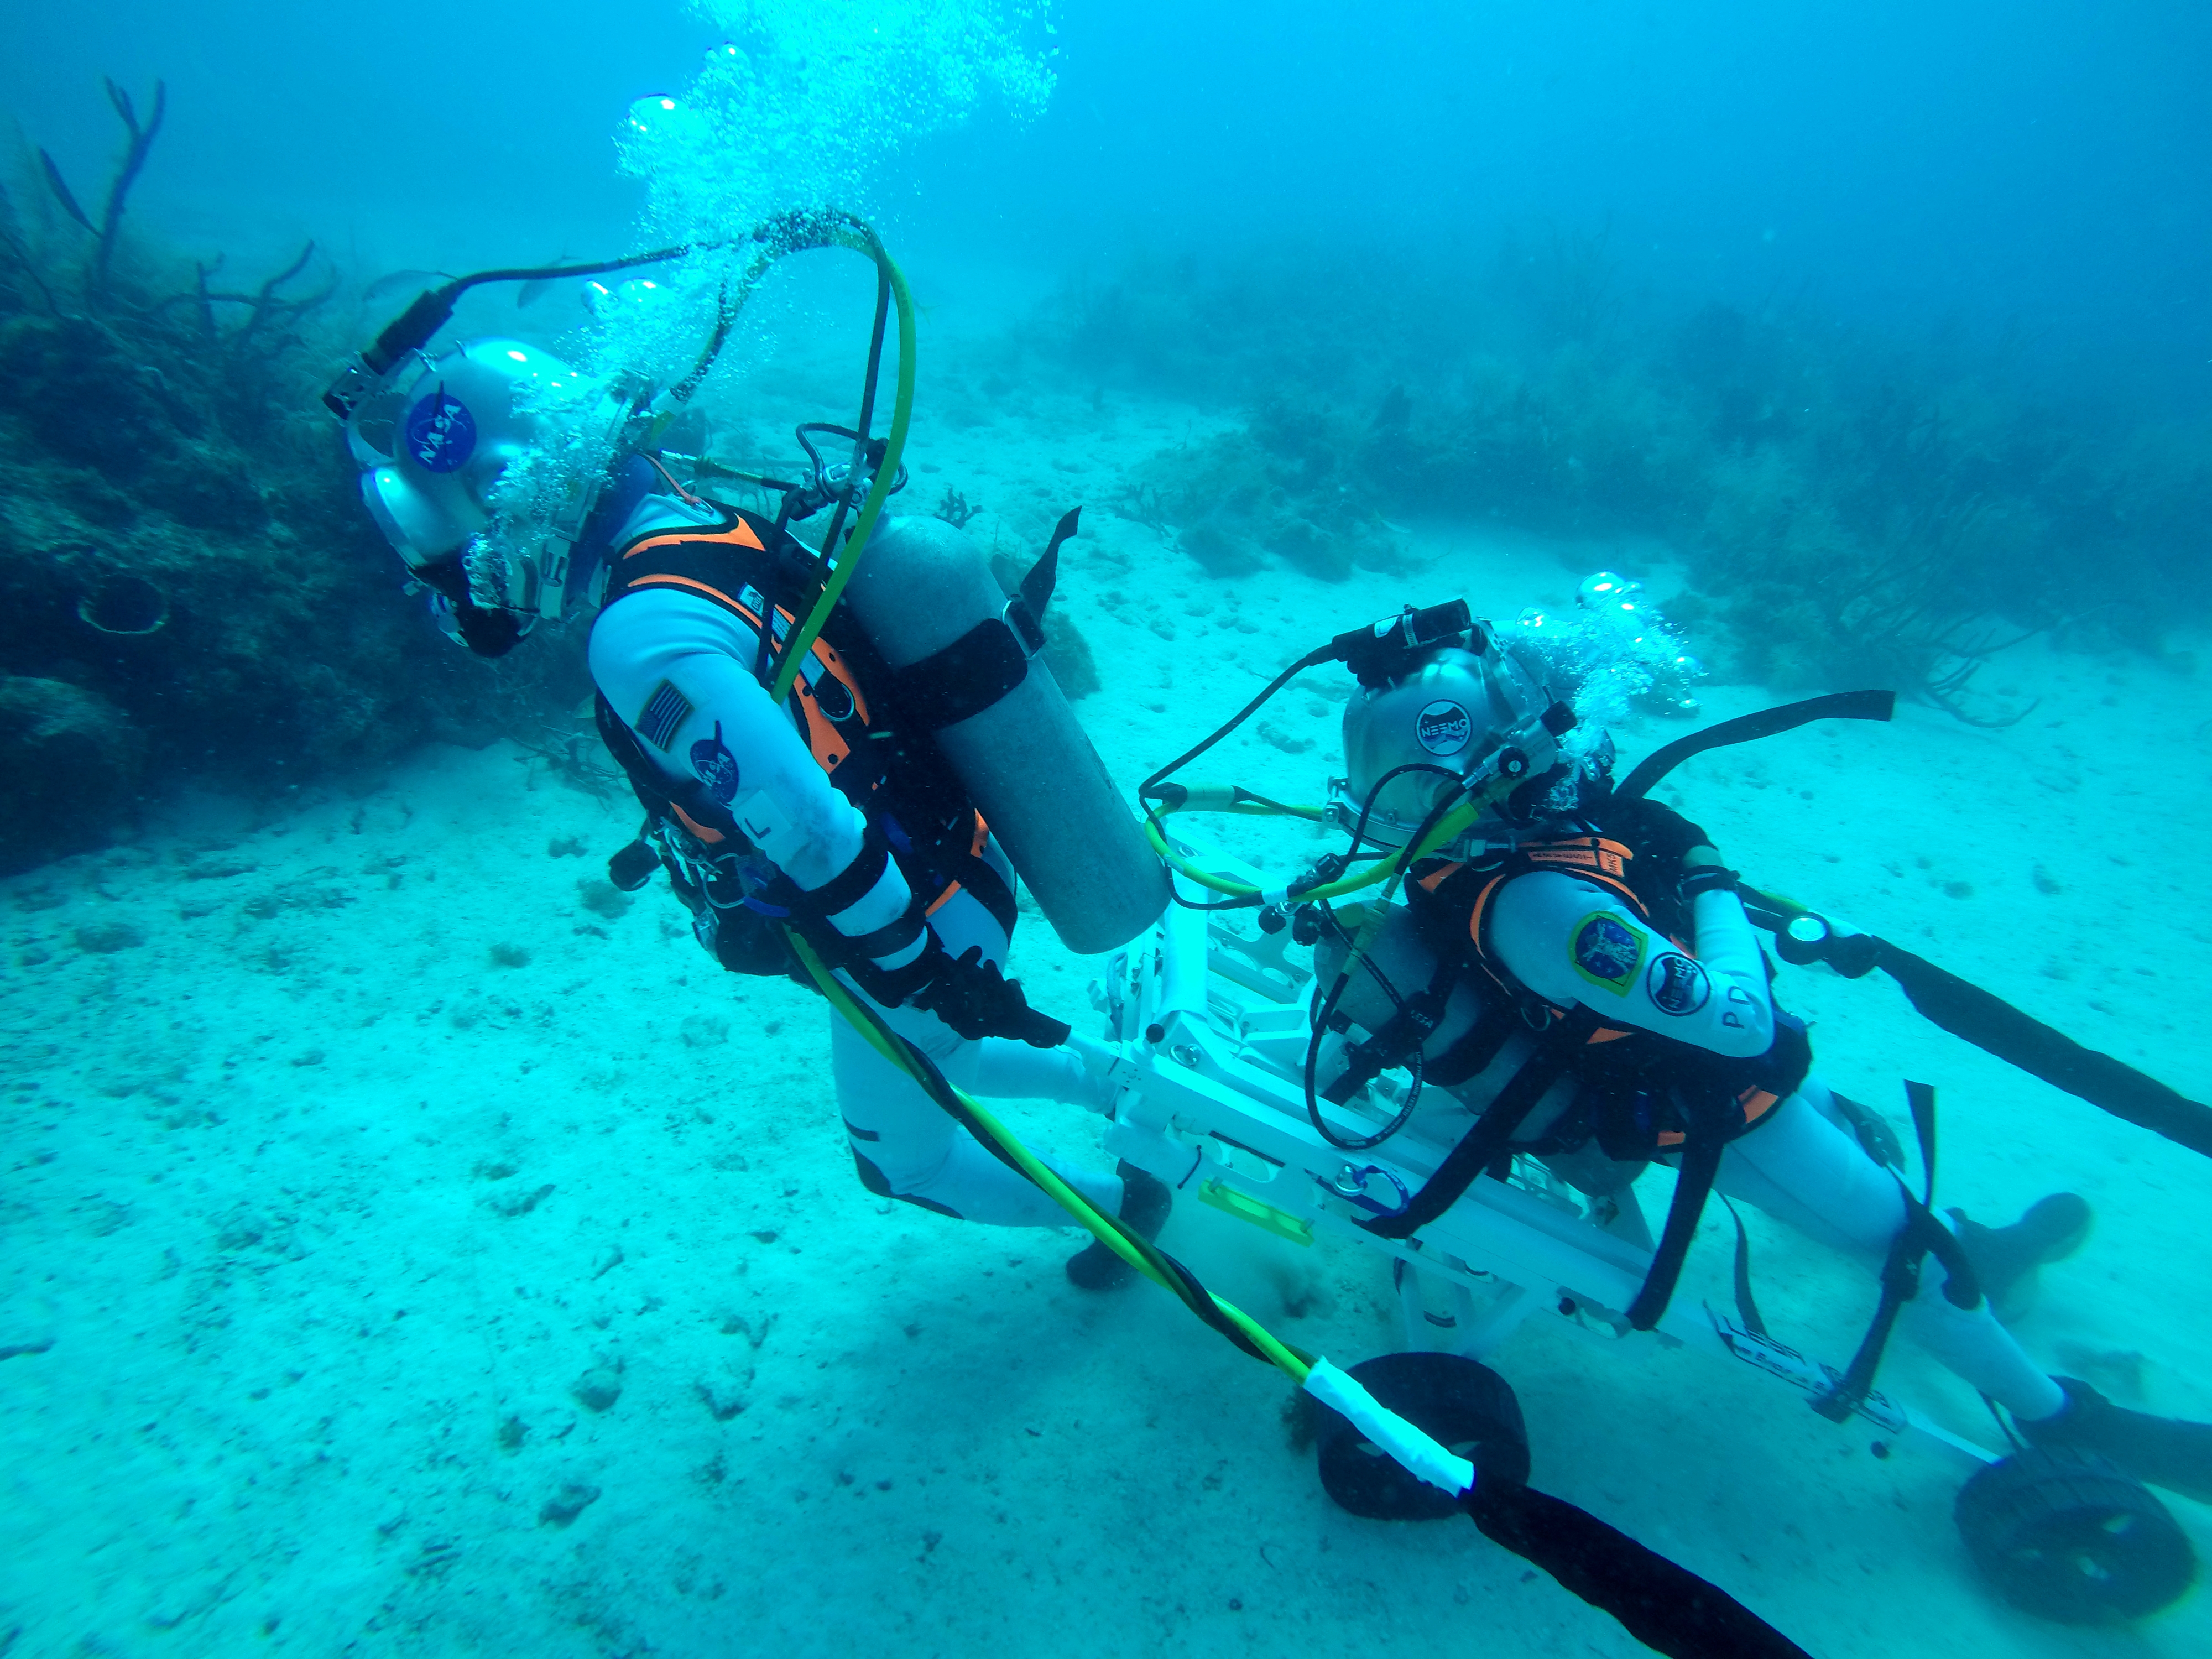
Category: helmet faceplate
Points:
column 490, row 456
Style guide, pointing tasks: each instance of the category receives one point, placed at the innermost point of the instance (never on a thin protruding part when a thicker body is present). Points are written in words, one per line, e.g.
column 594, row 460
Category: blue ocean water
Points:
column 415, row 1244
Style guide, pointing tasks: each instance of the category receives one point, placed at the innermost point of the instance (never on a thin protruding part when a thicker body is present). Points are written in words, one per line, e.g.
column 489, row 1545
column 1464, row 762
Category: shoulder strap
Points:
column 1494, row 1130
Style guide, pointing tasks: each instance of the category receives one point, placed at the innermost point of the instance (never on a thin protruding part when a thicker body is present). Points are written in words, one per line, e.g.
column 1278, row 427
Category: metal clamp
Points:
column 1350, row 1185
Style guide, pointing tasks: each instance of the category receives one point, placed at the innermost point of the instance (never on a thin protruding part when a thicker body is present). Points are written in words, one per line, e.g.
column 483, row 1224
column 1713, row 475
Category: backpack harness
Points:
column 1637, row 1093
column 845, row 701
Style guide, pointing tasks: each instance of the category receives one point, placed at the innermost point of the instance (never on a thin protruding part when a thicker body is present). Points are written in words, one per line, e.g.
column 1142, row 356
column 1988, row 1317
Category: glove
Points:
column 1652, row 831
column 971, row 996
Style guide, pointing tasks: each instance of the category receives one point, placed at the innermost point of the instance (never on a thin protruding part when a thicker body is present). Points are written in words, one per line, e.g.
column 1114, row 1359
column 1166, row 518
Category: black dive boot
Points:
column 2005, row 1258
column 2171, row 1452
column 1145, row 1204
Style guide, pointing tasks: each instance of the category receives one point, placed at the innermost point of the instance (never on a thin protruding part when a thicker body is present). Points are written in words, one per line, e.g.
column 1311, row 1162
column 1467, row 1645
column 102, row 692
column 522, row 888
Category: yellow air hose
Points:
column 861, row 237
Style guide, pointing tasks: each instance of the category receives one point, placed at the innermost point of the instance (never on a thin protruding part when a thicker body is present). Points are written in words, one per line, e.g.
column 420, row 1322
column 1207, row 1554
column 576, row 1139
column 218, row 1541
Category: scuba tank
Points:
column 956, row 644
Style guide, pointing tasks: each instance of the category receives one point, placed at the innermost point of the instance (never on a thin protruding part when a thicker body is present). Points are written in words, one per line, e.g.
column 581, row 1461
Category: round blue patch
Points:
column 440, row 432
column 1677, row 984
column 716, row 766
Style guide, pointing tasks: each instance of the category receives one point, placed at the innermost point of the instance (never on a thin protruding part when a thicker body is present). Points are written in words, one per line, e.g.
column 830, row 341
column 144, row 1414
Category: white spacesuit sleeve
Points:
column 678, row 669
column 1569, row 942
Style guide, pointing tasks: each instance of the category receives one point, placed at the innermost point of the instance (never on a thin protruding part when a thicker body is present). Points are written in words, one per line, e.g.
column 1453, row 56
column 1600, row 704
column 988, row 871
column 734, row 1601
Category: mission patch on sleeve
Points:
column 1677, row 984
column 1608, row 951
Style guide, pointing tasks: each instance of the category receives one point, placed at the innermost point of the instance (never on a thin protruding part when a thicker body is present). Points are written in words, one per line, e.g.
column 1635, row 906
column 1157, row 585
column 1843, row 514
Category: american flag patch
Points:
column 664, row 716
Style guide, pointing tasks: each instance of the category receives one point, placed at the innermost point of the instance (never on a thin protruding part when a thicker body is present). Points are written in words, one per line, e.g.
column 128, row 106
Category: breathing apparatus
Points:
column 484, row 466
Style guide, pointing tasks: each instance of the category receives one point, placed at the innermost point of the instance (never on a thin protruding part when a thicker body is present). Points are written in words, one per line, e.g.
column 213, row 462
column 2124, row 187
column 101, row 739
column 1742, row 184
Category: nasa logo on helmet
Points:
column 1443, row 727
column 441, row 434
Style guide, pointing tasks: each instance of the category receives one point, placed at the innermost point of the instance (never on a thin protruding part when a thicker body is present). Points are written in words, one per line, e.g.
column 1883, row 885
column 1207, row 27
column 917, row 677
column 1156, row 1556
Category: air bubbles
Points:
column 1614, row 653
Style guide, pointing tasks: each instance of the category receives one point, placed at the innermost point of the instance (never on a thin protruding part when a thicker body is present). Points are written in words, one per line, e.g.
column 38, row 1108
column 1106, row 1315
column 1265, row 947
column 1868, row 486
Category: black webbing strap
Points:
column 1994, row 1026
column 1900, row 1283
column 1036, row 590
column 1747, row 728
column 1693, row 1184
column 854, row 882
column 1921, row 1237
column 1747, row 1309
column 1492, row 1131
column 960, row 680
column 888, row 940
column 888, row 985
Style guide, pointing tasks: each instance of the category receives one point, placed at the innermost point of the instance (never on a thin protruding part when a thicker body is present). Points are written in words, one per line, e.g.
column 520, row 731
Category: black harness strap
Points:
column 1492, row 1133
column 1921, row 1237
column 1701, row 1162
column 1747, row 1309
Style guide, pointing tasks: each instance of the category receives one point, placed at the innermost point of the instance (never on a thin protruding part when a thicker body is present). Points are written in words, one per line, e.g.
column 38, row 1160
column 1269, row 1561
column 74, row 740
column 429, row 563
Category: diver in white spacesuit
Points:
column 1591, row 988
column 835, row 815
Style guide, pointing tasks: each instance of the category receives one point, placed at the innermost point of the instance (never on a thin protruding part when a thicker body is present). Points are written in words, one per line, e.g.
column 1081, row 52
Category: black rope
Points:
column 1659, row 1602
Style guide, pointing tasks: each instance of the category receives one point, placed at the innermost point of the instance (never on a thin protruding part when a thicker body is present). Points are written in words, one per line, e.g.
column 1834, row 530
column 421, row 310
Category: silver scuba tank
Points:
column 922, row 586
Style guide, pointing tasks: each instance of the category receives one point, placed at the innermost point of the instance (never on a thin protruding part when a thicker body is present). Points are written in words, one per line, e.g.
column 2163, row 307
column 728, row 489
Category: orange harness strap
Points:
column 822, row 737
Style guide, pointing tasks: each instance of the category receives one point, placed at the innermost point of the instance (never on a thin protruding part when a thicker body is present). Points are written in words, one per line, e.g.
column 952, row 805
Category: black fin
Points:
column 1036, row 587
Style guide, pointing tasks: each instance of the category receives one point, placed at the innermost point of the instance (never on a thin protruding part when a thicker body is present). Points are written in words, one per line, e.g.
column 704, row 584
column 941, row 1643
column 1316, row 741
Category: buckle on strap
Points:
column 1022, row 622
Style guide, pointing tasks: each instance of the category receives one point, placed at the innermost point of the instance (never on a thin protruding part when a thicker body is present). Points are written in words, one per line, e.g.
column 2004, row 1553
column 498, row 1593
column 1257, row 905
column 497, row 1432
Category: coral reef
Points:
column 1291, row 487
column 183, row 565
column 1850, row 508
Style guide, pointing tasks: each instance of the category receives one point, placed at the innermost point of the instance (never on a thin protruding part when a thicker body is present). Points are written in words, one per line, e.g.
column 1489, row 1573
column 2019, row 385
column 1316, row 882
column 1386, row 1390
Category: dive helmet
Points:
column 482, row 467
column 1469, row 718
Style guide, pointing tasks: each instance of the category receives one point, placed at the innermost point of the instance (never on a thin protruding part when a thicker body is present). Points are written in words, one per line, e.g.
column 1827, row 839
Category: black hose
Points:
column 1367, row 806
column 1327, row 1008
column 1149, row 790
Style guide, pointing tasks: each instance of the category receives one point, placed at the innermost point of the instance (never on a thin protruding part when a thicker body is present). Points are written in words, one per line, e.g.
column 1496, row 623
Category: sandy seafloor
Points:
column 404, row 1256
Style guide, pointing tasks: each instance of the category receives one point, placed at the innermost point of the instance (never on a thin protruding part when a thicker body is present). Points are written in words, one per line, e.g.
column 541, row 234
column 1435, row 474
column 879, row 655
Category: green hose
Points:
column 861, row 237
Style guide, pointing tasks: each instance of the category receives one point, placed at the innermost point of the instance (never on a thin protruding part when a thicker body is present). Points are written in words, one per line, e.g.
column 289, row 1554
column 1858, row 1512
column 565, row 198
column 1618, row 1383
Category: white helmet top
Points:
column 1450, row 715
column 481, row 466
